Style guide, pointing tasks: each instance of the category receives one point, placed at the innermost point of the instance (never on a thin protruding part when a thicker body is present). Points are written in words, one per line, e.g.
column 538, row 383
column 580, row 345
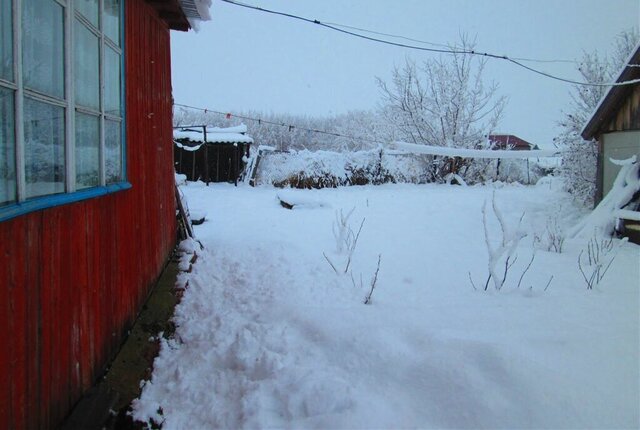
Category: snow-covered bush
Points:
column 324, row 169
column 595, row 260
column 553, row 237
column 579, row 169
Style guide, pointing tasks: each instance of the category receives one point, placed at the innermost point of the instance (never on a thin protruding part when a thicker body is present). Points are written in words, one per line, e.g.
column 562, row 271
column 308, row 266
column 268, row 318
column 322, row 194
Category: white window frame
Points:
column 22, row 204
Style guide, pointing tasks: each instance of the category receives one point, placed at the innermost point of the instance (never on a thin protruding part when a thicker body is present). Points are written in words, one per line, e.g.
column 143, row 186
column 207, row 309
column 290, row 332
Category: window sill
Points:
column 22, row 208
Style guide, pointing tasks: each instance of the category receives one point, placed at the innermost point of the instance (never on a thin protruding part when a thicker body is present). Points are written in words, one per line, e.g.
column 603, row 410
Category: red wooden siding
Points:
column 73, row 277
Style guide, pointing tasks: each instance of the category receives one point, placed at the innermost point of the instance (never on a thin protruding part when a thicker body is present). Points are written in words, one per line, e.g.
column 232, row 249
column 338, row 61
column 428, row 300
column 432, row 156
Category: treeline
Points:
column 352, row 131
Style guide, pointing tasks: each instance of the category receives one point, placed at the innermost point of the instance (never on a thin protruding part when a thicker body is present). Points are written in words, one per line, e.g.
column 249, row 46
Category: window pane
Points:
column 43, row 46
column 112, row 82
column 6, row 40
column 113, row 152
column 88, row 8
column 87, row 151
column 111, row 20
column 43, row 148
column 87, row 62
column 7, row 148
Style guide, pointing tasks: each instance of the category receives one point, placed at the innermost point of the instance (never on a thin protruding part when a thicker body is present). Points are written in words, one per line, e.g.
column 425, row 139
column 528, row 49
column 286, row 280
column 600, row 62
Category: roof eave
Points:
column 612, row 100
column 178, row 14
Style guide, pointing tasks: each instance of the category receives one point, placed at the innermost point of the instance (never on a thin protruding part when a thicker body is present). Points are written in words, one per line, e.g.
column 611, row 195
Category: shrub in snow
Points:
column 502, row 256
column 596, row 261
column 324, row 169
column 346, row 239
column 346, row 242
column 553, row 237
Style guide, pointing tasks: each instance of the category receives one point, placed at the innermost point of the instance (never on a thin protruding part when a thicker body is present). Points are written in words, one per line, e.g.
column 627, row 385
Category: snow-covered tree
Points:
column 351, row 131
column 580, row 160
column 443, row 101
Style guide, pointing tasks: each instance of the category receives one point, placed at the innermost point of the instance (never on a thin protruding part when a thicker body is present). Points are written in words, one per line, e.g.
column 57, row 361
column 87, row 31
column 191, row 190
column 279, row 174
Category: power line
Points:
column 388, row 35
column 364, row 30
column 448, row 50
column 291, row 127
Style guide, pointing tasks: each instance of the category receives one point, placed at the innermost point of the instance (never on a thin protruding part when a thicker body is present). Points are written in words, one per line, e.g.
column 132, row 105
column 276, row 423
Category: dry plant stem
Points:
column 533, row 256
column 341, row 228
column 351, row 246
column 548, row 283
column 330, row 263
column 597, row 251
column 471, row 280
column 367, row 299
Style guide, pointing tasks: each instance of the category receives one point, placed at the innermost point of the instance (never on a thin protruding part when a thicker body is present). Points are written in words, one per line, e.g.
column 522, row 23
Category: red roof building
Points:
column 509, row 141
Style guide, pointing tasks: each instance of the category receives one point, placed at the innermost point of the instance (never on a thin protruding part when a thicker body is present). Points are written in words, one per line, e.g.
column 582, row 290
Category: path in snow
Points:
column 268, row 336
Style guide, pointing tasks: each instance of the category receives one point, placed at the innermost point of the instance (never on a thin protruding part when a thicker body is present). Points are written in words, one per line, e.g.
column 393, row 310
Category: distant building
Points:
column 509, row 141
column 211, row 154
column 615, row 124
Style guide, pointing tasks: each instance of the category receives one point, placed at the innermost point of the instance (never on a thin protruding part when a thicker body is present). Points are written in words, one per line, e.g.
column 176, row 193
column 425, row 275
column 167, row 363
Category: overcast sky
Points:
column 248, row 60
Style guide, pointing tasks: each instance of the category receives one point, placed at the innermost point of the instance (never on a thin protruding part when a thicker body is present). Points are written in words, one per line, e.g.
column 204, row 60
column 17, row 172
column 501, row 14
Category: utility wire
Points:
column 364, row 30
column 291, row 127
column 397, row 36
column 448, row 50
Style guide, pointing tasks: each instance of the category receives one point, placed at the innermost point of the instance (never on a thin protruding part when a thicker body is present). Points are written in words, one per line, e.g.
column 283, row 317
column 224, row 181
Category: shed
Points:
column 87, row 202
column 615, row 124
column 211, row 154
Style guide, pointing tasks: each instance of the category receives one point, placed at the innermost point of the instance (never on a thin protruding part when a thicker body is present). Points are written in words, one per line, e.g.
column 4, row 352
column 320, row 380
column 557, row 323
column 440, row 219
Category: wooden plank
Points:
column 5, row 333
column 33, row 289
column 49, row 409
column 17, row 323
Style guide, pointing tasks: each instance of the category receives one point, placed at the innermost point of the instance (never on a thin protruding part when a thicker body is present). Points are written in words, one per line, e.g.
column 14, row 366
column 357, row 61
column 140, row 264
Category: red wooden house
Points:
column 87, row 210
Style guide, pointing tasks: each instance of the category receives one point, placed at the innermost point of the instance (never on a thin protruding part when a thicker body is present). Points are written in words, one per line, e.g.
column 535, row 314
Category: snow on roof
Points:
column 607, row 103
column 214, row 134
column 196, row 11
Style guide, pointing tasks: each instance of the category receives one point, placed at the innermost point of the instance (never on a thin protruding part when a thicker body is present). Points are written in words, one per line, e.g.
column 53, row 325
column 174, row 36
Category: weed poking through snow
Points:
column 346, row 239
column 346, row 242
column 600, row 253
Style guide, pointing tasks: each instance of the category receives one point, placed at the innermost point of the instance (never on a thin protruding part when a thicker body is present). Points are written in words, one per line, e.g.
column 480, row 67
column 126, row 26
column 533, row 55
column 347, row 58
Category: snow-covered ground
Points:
column 269, row 336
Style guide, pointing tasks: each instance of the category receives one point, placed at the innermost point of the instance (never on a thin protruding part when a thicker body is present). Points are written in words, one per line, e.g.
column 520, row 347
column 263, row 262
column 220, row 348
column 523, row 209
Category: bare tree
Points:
column 443, row 101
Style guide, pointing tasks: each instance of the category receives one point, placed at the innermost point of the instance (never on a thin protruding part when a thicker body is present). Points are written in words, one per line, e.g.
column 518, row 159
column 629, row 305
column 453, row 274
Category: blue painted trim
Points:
column 22, row 208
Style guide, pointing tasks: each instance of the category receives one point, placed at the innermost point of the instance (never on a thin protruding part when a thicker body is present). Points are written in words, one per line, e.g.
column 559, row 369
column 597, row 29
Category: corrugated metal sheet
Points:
column 190, row 9
column 73, row 277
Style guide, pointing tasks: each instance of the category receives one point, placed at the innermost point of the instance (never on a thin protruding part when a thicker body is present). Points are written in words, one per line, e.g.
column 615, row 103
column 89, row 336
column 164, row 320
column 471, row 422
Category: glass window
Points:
column 89, row 9
column 113, row 151
column 6, row 40
column 112, row 82
column 43, row 46
column 36, row 102
column 43, row 148
column 87, row 151
column 87, row 67
column 7, row 148
column 111, row 20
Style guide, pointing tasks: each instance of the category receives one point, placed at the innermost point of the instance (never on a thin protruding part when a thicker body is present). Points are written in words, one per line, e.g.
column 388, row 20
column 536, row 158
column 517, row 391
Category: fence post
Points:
column 206, row 154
